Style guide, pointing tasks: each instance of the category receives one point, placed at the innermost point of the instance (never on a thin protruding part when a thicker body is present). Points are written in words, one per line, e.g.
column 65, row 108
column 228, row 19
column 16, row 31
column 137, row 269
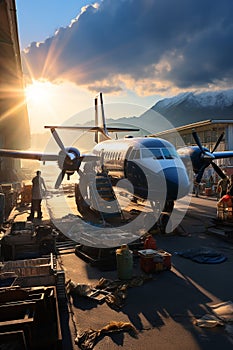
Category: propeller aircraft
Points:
column 156, row 171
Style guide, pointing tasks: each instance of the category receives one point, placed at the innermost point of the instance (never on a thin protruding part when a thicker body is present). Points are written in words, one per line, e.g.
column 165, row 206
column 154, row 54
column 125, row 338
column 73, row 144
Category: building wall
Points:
column 14, row 123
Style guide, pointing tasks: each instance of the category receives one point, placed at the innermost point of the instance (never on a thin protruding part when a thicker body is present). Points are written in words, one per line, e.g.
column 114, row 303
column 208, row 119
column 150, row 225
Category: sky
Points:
column 134, row 51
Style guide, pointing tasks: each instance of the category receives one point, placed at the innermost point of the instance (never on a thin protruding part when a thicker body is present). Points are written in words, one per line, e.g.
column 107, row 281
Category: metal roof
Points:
column 195, row 125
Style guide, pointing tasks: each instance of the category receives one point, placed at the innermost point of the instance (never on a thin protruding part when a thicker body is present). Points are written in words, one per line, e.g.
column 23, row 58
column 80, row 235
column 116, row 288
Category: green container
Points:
column 124, row 258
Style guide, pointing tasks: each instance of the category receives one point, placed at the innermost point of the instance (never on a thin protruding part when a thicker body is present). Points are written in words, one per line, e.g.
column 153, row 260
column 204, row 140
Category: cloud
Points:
column 156, row 44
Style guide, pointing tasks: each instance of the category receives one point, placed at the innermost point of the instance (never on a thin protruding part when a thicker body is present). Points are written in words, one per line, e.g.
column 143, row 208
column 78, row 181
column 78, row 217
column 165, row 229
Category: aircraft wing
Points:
column 28, row 155
column 89, row 157
column 91, row 128
column 223, row 154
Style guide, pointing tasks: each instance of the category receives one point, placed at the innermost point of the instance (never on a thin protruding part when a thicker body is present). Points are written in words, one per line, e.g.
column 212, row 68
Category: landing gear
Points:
column 162, row 216
column 162, row 222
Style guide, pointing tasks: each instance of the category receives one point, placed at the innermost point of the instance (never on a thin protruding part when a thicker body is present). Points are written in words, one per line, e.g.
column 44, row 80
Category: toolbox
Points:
column 152, row 260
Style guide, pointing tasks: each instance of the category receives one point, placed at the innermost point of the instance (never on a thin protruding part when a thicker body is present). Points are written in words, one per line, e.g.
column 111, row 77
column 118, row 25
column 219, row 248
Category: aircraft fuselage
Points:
column 151, row 165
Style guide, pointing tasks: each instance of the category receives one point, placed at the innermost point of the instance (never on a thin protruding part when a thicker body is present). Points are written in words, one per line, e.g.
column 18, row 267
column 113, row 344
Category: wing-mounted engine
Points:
column 68, row 162
column 69, row 159
column 201, row 157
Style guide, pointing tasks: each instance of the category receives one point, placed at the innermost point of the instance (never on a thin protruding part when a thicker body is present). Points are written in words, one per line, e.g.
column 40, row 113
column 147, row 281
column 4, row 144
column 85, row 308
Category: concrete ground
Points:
column 163, row 309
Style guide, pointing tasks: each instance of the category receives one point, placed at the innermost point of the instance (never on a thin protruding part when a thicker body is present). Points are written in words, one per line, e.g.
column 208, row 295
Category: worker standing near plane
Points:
column 38, row 187
column 225, row 202
column 222, row 186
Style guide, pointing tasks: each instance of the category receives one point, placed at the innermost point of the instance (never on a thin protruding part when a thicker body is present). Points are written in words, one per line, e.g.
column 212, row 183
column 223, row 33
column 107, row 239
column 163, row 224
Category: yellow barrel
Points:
column 124, row 258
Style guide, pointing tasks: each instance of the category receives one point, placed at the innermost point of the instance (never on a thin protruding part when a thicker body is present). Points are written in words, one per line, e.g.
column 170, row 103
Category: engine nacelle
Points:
column 69, row 161
column 196, row 156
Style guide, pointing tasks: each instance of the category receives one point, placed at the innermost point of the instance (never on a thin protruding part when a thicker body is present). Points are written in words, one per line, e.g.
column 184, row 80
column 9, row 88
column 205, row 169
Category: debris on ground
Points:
column 208, row 321
column 223, row 314
column 113, row 293
column 88, row 338
column 79, row 289
column 224, row 311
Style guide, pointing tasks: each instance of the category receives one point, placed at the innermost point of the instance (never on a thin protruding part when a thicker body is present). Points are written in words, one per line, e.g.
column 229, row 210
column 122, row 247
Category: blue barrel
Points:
column 2, row 208
column 124, row 258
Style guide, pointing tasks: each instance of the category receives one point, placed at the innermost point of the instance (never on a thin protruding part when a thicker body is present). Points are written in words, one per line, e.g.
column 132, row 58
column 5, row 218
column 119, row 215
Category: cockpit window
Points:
column 169, row 153
column 151, row 153
column 159, row 153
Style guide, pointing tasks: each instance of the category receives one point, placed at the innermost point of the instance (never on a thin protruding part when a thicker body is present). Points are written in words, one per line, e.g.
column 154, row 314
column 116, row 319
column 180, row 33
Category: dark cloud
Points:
column 185, row 43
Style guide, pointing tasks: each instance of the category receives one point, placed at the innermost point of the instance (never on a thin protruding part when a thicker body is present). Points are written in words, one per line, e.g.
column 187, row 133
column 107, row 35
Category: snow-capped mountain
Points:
column 219, row 99
column 183, row 109
column 192, row 107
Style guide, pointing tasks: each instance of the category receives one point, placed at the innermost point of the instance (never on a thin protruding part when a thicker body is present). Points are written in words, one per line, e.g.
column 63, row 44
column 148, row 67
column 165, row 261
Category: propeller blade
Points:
column 197, row 140
column 218, row 142
column 200, row 173
column 218, row 170
column 59, row 141
column 59, row 179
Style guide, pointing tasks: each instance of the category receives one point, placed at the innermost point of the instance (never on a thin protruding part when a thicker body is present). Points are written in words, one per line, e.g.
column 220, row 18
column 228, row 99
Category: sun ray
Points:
column 13, row 94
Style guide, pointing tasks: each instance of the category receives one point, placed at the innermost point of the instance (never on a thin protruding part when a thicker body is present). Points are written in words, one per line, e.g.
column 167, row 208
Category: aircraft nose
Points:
column 178, row 184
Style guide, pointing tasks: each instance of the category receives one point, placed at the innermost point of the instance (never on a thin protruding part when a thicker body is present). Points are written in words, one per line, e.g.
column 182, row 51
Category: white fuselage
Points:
column 152, row 165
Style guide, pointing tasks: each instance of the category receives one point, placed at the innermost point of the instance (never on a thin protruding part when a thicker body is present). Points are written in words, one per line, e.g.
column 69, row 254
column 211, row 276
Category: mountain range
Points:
column 182, row 109
column 193, row 107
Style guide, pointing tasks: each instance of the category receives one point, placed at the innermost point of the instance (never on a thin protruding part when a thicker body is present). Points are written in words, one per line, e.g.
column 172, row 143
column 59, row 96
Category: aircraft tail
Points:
column 101, row 124
column 100, row 129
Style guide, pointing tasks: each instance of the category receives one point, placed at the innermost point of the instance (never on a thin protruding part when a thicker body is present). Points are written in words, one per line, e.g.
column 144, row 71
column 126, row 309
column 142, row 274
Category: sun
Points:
column 41, row 100
column 39, row 92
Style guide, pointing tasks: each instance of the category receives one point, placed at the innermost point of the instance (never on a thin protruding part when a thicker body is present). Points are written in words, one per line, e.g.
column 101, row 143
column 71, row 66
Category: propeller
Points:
column 218, row 170
column 59, row 141
column 68, row 159
column 218, row 141
column 59, row 179
column 207, row 157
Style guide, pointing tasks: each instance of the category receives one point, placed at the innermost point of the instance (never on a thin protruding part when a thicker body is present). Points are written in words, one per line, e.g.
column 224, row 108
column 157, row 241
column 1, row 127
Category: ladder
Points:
column 103, row 198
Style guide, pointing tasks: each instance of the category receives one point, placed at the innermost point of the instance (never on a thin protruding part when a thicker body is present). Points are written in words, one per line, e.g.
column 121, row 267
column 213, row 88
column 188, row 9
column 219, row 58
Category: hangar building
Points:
column 14, row 123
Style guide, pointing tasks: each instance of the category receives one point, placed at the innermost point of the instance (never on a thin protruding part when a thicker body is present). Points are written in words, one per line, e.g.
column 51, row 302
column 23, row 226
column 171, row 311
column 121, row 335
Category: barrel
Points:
column 2, row 208
column 124, row 258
